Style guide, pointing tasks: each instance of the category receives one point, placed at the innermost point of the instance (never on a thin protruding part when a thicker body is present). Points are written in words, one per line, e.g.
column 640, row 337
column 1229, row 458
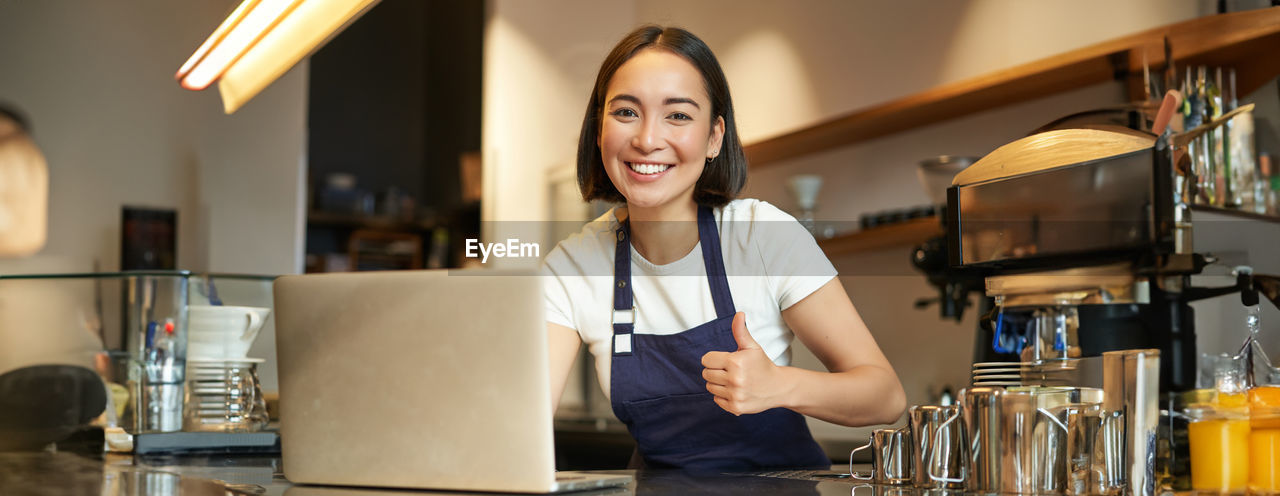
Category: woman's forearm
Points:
column 864, row 395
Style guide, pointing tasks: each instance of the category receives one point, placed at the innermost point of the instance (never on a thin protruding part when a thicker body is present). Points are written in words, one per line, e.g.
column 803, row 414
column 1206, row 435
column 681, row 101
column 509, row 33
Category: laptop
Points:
column 419, row 379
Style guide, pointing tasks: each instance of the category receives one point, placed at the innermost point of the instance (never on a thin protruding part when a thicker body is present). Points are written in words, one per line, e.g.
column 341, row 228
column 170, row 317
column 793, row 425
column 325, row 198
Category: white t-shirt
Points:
column 772, row 262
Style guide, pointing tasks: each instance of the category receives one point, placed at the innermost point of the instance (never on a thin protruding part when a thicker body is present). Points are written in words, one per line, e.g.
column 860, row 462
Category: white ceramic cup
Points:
column 224, row 332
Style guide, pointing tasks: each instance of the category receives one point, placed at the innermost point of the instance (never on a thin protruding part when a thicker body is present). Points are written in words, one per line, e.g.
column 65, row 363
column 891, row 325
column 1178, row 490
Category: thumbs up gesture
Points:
column 744, row 381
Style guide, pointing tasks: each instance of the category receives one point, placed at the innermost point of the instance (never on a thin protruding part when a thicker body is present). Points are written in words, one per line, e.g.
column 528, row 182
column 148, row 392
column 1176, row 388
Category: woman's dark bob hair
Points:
column 723, row 177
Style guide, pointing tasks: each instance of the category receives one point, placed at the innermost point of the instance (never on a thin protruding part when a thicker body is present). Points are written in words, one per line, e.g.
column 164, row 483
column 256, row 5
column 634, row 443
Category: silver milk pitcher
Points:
column 1077, row 425
column 1125, row 446
column 934, row 443
column 890, row 456
column 1081, row 422
column 980, row 407
column 1033, row 451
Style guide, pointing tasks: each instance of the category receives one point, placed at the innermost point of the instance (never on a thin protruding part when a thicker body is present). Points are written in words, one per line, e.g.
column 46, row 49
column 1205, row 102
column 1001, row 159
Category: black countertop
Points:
column 66, row 473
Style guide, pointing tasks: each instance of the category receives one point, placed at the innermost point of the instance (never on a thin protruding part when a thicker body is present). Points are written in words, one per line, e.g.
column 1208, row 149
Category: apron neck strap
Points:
column 624, row 311
column 713, row 260
column 623, row 318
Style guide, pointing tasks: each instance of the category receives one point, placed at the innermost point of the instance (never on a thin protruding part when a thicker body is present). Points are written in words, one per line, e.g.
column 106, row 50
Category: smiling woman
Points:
column 655, row 128
column 673, row 351
column 687, row 94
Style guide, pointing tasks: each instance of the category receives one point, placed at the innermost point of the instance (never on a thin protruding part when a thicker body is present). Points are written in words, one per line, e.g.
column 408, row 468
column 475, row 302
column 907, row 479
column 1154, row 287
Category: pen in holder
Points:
column 155, row 323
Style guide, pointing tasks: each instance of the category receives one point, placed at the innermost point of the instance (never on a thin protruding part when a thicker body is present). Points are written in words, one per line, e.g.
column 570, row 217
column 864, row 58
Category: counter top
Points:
column 67, row 473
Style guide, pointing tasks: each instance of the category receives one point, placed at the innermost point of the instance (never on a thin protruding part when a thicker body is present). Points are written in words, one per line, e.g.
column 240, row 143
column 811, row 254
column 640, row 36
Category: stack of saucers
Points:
column 1059, row 372
column 1000, row 373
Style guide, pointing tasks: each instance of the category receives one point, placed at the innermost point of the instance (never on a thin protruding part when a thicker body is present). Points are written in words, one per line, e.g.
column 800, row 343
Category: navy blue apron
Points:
column 657, row 387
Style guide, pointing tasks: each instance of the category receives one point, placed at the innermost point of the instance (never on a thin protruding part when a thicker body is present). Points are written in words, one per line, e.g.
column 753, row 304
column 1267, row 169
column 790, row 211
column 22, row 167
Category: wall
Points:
column 789, row 67
column 540, row 61
column 96, row 79
column 836, row 57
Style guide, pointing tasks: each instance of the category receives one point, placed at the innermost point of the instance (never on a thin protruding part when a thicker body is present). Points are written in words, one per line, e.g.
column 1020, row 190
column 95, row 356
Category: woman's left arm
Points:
column 860, row 388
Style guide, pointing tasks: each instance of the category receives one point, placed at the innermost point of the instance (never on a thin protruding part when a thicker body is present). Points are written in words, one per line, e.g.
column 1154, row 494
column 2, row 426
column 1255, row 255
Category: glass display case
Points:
column 131, row 327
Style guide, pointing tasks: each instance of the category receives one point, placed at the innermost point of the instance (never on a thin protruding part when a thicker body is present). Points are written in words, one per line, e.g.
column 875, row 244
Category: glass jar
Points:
column 1173, row 456
column 1219, row 440
column 1264, row 439
column 223, row 395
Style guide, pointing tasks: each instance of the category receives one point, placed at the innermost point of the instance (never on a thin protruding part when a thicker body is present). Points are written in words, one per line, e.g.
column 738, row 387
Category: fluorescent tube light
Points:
column 263, row 39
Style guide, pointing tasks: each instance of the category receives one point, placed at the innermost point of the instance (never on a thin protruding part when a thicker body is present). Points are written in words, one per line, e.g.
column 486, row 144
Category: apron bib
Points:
column 657, row 387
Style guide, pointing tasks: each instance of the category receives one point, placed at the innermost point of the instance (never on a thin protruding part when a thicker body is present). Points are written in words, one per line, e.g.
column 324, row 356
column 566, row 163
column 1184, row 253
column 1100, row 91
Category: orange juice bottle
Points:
column 1264, row 439
column 1219, row 440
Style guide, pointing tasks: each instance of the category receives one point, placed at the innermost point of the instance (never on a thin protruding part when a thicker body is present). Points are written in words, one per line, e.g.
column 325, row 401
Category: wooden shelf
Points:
column 353, row 221
column 911, row 232
column 1235, row 214
column 1246, row 41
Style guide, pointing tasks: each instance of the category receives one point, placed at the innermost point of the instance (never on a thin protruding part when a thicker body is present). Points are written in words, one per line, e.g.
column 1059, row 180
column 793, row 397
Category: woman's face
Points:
column 657, row 131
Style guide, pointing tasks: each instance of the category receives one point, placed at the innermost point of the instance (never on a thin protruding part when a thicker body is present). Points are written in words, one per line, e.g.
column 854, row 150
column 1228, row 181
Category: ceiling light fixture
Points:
column 263, row 39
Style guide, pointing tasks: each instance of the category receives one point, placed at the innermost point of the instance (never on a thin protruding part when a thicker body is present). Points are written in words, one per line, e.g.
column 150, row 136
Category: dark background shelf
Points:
column 394, row 100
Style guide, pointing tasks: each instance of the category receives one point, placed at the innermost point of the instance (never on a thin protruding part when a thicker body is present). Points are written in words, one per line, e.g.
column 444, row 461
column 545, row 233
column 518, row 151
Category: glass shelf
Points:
column 140, row 273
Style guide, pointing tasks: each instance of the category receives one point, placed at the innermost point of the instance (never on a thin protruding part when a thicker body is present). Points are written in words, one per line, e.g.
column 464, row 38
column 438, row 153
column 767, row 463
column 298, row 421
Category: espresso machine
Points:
column 1080, row 244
